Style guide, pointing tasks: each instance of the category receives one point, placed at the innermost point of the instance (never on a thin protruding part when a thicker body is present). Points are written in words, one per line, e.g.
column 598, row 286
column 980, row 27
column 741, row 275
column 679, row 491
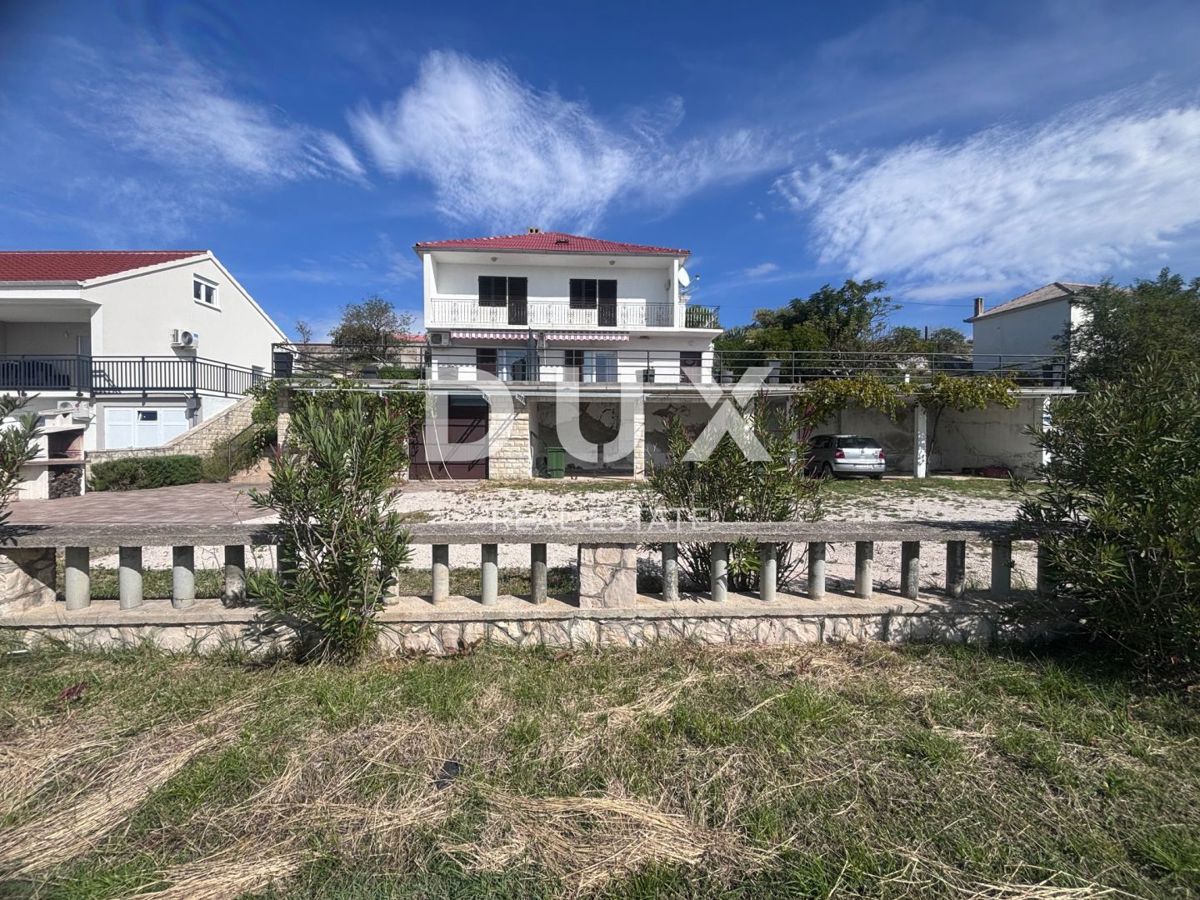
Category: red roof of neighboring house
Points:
column 550, row 242
column 80, row 265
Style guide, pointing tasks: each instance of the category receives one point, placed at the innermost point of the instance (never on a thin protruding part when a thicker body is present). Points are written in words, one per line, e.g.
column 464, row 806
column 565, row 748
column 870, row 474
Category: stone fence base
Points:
column 415, row 626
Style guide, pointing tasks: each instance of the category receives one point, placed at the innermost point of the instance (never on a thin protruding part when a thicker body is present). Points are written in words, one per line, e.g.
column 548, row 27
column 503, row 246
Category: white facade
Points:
column 104, row 352
column 1034, row 324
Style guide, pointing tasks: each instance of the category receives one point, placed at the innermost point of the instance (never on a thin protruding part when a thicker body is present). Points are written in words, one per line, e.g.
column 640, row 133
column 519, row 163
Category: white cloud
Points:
column 502, row 153
column 186, row 119
column 761, row 270
column 1091, row 192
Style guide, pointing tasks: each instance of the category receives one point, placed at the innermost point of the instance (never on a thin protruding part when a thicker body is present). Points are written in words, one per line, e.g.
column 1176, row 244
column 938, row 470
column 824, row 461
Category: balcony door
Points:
column 518, row 301
column 606, row 306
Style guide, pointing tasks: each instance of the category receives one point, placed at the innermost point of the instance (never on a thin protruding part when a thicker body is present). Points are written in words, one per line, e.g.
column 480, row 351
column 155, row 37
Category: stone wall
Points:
column 200, row 440
column 27, row 577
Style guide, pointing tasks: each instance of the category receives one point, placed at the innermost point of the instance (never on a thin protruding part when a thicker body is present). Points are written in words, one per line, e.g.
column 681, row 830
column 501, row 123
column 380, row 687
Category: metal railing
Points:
column 444, row 313
column 125, row 374
column 793, row 367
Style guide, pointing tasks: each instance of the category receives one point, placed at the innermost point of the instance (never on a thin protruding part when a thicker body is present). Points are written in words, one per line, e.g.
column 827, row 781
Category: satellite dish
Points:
column 684, row 278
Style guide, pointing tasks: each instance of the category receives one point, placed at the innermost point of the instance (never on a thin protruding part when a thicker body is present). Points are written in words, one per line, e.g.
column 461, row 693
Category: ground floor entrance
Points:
column 466, row 421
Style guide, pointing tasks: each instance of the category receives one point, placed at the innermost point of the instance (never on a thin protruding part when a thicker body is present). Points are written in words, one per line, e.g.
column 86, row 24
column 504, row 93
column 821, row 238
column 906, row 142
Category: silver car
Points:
column 846, row 454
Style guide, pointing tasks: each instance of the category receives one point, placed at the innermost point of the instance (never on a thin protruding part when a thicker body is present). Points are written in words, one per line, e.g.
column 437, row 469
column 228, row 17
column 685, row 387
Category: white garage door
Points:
column 126, row 426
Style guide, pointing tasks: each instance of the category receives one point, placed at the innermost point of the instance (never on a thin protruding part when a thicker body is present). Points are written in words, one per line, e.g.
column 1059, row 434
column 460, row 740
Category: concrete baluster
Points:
column 77, row 579
column 910, row 569
column 1001, row 568
column 768, row 571
column 670, row 572
column 864, row 577
column 441, row 573
column 816, row 569
column 719, row 571
column 490, row 575
column 956, row 568
column 183, row 576
column 129, row 577
column 235, row 575
column 537, row 573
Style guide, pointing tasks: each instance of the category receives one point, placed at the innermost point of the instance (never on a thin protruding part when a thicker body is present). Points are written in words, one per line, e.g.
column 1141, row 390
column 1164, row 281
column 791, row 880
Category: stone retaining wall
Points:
column 200, row 440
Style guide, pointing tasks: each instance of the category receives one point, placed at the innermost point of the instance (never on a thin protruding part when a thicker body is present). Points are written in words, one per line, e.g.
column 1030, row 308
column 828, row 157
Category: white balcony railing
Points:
column 546, row 314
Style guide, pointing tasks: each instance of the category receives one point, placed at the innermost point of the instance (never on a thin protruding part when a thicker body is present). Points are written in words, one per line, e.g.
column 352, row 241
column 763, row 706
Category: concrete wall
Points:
column 992, row 437
column 48, row 338
column 229, row 420
column 140, row 311
column 1028, row 330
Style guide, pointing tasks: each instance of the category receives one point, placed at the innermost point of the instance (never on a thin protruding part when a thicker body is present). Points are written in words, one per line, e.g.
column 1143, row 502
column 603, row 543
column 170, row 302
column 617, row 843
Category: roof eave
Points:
column 665, row 254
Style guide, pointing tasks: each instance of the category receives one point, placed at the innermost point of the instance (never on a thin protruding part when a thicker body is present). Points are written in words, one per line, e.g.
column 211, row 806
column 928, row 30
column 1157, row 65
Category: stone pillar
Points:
column 510, row 455
column 607, row 575
column 816, row 569
column 283, row 416
column 489, row 572
column 768, row 571
column 441, row 573
column 1001, row 568
column 639, row 439
column 670, row 573
column 956, row 568
column 1045, row 581
column 910, row 569
column 28, row 576
column 183, row 577
column 235, row 575
column 129, row 577
column 920, row 442
column 77, row 580
column 719, row 571
column 864, row 578
column 537, row 573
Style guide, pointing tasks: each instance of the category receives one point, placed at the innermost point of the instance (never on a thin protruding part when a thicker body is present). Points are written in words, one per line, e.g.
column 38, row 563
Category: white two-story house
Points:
column 542, row 309
column 127, row 349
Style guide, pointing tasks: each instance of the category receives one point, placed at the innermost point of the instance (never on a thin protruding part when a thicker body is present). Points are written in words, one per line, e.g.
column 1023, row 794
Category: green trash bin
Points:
column 556, row 462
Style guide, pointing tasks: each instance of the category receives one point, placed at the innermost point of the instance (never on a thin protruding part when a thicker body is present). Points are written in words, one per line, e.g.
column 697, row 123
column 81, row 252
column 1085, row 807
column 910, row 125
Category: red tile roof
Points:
column 80, row 265
column 550, row 242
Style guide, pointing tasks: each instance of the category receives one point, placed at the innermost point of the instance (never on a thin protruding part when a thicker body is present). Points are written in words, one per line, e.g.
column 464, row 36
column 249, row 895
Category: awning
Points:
column 490, row 335
column 587, row 336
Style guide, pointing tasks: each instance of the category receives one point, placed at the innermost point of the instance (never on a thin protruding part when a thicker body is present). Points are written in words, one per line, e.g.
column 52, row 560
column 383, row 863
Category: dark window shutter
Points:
column 492, row 290
column 518, row 290
column 608, row 289
column 576, row 293
column 589, row 293
column 485, row 359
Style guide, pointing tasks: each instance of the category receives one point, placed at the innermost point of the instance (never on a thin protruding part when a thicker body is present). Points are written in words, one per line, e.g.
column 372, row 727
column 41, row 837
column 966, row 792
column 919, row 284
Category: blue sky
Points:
column 950, row 149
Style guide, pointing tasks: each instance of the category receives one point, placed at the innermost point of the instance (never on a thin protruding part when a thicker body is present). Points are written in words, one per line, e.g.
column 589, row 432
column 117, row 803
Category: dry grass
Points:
column 685, row 772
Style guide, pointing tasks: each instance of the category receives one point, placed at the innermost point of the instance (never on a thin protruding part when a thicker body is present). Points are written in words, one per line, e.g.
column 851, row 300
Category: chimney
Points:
column 533, row 229
column 979, row 306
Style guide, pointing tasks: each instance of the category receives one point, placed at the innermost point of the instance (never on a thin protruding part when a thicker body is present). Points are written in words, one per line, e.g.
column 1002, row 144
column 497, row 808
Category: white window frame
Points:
column 206, row 283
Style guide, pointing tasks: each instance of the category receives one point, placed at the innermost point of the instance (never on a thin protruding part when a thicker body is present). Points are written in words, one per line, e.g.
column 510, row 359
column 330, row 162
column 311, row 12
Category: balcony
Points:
column 444, row 313
column 99, row 375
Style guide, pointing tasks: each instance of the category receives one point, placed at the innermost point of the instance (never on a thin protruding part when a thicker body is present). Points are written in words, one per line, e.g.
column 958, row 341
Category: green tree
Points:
column 1123, row 326
column 16, row 446
column 1119, row 509
column 369, row 328
column 947, row 340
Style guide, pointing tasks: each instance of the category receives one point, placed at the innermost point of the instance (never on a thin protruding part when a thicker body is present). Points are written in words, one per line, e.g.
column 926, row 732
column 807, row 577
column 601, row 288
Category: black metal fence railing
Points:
column 701, row 316
column 518, row 362
column 126, row 374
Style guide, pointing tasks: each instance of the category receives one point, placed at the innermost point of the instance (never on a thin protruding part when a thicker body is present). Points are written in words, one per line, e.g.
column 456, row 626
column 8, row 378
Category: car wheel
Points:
column 827, row 471
column 877, row 478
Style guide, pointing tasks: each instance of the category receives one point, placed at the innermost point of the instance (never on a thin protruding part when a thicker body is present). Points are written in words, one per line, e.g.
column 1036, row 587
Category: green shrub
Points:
column 1120, row 509
column 341, row 546
column 728, row 486
column 146, row 472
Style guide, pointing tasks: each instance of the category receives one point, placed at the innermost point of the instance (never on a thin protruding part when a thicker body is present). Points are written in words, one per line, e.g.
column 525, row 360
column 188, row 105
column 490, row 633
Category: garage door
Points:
column 467, row 421
column 129, row 426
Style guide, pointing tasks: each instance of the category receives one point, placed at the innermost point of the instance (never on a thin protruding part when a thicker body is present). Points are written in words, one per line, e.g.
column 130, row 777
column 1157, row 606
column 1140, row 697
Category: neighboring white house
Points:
column 543, row 308
column 127, row 348
column 1035, row 324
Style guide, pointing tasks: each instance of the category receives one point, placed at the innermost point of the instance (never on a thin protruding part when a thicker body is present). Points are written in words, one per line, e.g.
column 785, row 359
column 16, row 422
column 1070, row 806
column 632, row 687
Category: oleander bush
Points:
column 1120, row 512
column 145, row 472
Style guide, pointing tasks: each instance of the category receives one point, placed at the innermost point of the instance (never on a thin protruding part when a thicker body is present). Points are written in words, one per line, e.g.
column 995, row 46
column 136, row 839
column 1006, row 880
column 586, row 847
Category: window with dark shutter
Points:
column 493, row 290
column 607, row 290
column 485, row 359
column 584, row 292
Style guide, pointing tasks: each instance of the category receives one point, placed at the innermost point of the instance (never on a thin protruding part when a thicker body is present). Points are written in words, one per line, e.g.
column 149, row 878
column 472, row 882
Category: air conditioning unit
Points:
column 68, row 405
column 186, row 340
column 82, row 412
column 438, row 339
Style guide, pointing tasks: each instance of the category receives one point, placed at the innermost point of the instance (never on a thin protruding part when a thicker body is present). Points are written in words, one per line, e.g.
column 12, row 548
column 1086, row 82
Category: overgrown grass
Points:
column 669, row 772
column 933, row 487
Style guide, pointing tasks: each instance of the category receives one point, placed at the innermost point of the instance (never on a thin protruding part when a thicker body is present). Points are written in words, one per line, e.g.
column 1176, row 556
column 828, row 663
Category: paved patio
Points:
column 193, row 504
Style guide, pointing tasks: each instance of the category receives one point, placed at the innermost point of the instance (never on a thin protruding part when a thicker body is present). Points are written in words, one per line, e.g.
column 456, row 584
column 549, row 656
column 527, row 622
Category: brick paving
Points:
column 193, row 504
